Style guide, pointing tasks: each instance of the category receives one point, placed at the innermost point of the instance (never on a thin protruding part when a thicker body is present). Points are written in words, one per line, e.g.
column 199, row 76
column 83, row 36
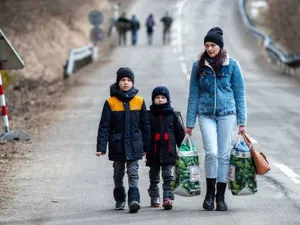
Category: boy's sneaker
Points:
column 155, row 202
column 134, row 207
column 120, row 205
column 167, row 204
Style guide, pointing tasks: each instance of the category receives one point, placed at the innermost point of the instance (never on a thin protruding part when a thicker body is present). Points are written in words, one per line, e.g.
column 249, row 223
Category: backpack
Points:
column 150, row 22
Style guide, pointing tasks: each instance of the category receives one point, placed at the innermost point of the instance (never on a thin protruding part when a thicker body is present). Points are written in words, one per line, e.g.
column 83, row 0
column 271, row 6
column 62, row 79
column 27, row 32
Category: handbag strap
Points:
column 247, row 140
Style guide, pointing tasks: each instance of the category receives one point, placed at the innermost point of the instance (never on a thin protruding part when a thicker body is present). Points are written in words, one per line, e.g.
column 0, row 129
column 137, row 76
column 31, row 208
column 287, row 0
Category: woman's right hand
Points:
column 188, row 131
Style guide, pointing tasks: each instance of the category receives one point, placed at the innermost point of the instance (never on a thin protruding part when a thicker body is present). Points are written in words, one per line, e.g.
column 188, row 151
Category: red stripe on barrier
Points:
column 4, row 111
column 1, row 90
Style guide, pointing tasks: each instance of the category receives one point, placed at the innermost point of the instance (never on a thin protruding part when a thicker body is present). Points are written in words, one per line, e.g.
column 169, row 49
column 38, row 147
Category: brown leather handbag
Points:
column 260, row 160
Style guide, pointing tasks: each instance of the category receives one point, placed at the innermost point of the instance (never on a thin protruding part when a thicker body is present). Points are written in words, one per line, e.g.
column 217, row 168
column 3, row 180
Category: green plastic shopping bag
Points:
column 187, row 170
column 242, row 175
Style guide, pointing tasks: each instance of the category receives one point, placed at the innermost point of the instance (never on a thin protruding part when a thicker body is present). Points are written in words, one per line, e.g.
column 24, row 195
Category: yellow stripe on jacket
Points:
column 116, row 105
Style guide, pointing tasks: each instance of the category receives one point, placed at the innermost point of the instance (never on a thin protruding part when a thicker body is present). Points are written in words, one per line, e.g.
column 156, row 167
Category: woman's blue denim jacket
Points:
column 215, row 96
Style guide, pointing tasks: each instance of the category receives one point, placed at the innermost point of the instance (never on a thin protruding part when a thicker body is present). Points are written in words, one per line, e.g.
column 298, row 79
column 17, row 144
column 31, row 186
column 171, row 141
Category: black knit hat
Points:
column 125, row 72
column 161, row 90
column 215, row 35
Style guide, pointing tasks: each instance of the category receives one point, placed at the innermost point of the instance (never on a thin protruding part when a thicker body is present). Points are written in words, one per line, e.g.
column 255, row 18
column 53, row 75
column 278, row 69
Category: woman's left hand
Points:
column 242, row 129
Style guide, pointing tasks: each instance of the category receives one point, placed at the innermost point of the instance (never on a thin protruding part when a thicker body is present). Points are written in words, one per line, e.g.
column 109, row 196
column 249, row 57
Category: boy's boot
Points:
column 133, row 199
column 220, row 197
column 120, row 198
column 155, row 202
column 168, row 200
column 208, row 203
column 168, row 204
column 154, row 197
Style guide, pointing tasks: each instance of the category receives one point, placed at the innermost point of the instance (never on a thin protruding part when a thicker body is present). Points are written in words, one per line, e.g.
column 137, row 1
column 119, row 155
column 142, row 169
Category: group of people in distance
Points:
column 124, row 25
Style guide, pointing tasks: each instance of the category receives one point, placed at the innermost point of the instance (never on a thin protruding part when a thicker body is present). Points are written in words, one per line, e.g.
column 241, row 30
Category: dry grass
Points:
column 281, row 22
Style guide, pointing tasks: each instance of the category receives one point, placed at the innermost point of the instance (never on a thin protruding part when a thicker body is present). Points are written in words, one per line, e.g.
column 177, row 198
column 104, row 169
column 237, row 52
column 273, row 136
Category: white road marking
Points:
column 287, row 171
column 177, row 37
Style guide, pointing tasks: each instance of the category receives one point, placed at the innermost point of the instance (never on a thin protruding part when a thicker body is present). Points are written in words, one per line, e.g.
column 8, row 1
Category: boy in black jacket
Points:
column 167, row 131
column 125, row 125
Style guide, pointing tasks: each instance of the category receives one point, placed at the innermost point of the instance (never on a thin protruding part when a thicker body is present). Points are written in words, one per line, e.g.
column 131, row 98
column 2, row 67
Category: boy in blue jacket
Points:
column 125, row 126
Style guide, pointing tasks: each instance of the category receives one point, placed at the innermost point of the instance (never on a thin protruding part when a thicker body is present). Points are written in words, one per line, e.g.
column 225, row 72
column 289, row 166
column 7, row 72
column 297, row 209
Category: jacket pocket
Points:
column 225, row 81
column 205, row 82
column 138, row 144
column 116, row 143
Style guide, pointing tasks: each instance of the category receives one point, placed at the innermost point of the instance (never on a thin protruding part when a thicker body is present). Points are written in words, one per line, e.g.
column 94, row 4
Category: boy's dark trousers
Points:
column 154, row 175
column 133, row 178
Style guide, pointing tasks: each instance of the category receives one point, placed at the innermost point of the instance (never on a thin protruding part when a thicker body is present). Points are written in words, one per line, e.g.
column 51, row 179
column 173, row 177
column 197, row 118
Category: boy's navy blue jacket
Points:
column 167, row 131
column 125, row 125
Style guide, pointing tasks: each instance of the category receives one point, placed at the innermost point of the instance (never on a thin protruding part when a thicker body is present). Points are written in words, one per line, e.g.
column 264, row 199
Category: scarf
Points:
column 161, row 109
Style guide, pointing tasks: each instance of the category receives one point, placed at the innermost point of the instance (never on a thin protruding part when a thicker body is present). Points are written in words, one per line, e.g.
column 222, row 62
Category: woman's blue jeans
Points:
column 217, row 134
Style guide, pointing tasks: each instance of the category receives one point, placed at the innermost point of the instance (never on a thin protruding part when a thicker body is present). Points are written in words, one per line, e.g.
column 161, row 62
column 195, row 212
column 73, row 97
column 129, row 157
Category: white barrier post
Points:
column 95, row 52
column 70, row 63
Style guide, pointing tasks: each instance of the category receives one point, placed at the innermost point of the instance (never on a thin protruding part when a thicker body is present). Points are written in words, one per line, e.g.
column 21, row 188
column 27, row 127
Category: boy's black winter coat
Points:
column 169, row 129
column 125, row 125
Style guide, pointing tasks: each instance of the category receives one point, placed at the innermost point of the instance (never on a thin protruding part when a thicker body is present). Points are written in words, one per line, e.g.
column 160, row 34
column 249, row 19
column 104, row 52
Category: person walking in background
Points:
column 167, row 131
column 217, row 97
column 167, row 23
column 150, row 23
column 123, row 25
column 125, row 126
column 135, row 26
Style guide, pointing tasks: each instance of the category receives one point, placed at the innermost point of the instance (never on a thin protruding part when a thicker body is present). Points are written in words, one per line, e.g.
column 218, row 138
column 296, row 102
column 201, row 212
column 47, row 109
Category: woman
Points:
column 217, row 96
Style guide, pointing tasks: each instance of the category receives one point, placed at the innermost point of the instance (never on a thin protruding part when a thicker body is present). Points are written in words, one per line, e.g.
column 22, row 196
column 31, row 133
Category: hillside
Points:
column 44, row 31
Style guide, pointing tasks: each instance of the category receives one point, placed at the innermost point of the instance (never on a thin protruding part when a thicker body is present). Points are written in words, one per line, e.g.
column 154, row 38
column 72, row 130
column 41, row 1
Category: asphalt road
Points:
column 65, row 183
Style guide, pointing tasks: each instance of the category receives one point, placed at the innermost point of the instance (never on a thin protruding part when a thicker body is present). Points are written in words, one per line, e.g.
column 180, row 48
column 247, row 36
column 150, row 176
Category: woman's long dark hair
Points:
column 218, row 61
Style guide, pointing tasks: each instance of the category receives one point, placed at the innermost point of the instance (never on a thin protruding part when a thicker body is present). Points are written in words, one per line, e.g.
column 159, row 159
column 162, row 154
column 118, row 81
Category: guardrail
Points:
column 285, row 62
column 80, row 57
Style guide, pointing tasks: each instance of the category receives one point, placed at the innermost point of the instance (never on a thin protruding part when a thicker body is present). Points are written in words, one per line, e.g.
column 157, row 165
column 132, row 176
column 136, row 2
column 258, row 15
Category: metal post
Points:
column 3, row 106
column 116, row 11
column 116, row 16
column 95, row 52
column 70, row 63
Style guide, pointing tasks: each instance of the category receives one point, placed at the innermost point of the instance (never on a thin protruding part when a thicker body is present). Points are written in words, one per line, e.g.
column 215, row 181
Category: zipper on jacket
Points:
column 215, row 89
column 156, row 138
column 162, row 131
column 167, row 138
